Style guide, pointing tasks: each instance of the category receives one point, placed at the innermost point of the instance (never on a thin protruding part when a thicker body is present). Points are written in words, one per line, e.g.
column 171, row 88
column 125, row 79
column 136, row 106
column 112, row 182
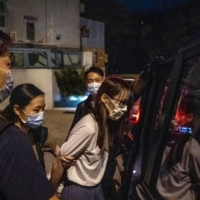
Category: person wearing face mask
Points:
column 8, row 87
column 26, row 110
column 20, row 171
column 94, row 77
column 89, row 142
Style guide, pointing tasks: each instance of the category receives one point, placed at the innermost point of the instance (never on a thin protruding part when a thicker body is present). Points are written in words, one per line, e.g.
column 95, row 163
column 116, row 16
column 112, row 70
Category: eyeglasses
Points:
column 122, row 104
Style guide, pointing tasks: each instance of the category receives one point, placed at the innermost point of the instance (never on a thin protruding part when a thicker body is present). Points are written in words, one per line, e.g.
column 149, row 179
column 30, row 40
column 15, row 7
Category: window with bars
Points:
column 30, row 29
column 2, row 14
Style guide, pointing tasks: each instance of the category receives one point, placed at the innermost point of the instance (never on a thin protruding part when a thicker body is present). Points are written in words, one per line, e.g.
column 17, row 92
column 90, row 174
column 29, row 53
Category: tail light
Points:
column 134, row 118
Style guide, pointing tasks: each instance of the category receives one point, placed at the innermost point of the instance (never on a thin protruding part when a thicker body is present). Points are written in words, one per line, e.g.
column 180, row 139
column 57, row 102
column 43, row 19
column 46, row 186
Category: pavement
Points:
column 58, row 123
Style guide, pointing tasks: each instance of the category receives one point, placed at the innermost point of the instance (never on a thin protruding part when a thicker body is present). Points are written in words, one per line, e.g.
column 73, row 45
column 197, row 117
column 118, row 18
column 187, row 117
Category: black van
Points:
column 169, row 114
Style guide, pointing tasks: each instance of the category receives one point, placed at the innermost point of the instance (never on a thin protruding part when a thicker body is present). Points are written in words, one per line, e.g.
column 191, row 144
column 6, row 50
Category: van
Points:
column 176, row 82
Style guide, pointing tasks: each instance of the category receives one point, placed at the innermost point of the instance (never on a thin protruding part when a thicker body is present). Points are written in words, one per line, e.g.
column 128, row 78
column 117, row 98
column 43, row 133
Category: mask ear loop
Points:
column 24, row 113
column 4, row 70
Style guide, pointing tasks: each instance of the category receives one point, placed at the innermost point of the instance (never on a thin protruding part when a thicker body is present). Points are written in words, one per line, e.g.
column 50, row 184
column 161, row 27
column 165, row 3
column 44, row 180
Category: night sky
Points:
column 143, row 5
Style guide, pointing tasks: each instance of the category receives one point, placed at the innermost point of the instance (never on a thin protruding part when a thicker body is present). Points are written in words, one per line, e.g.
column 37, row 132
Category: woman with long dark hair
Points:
column 89, row 141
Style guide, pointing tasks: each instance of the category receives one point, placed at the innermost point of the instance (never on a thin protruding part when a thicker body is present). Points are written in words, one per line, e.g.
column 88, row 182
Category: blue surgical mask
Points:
column 34, row 120
column 7, row 89
column 93, row 88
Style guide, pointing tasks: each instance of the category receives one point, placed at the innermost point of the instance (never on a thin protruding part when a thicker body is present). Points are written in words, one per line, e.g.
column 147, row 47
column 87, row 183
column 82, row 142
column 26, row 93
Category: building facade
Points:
column 49, row 35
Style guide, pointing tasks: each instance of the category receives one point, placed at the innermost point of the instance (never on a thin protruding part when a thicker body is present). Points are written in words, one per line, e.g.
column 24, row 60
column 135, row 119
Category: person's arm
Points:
column 50, row 144
column 140, row 82
column 78, row 140
column 56, row 151
column 77, row 143
column 59, row 164
column 55, row 197
column 56, row 173
column 22, row 176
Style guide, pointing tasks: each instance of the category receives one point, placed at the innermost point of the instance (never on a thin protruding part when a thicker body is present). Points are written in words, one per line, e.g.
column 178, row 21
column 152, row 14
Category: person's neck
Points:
column 21, row 127
column 93, row 99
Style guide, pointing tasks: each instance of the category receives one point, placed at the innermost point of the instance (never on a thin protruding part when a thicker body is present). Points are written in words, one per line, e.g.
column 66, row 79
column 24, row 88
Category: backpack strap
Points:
column 43, row 135
column 40, row 135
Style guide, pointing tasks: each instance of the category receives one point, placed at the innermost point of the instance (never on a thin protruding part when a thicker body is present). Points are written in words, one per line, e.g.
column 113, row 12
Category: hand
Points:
column 67, row 161
column 150, row 67
column 158, row 59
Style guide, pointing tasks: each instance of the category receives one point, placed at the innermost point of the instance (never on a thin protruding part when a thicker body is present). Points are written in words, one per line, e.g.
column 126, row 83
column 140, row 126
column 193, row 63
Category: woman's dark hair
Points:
column 5, row 42
column 111, row 86
column 94, row 69
column 21, row 96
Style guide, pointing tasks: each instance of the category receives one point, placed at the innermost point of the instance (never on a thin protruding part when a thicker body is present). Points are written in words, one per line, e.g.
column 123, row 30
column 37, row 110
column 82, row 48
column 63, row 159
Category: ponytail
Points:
column 8, row 113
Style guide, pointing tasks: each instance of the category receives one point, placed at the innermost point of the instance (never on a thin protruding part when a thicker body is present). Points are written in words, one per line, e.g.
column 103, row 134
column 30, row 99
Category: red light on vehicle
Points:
column 180, row 116
column 134, row 118
column 129, row 135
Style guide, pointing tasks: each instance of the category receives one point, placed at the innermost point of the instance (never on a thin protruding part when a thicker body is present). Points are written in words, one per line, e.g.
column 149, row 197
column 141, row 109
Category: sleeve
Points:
column 22, row 177
column 194, row 163
column 78, row 140
column 50, row 143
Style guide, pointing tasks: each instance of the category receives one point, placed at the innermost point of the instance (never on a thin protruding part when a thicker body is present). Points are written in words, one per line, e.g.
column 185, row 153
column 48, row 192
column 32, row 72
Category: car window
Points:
column 184, row 138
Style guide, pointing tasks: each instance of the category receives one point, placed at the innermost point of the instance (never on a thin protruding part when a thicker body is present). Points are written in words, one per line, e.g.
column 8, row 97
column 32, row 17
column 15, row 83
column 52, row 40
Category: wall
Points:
column 95, row 43
column 96, row 38
column 87, row 58
column 42, row 78
column 53, row 17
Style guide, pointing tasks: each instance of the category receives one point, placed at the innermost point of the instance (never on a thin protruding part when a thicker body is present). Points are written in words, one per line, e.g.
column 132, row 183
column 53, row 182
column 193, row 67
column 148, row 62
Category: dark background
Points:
column 138, row 30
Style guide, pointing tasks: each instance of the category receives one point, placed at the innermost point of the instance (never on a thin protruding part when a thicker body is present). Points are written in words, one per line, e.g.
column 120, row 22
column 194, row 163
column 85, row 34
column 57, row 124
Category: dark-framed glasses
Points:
column 122, row 104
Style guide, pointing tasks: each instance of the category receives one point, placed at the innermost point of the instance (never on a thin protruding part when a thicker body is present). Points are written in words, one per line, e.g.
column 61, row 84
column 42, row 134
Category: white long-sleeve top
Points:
column 82, row 143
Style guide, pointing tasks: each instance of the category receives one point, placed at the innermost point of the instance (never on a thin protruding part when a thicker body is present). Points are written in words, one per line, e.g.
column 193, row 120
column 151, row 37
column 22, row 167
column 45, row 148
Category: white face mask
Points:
column 34, row 120
column 93, row 88
column 7, row 89
column 117, row 112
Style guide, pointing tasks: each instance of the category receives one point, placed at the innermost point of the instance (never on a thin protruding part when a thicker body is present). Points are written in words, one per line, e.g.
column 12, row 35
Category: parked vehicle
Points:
column 169, row 83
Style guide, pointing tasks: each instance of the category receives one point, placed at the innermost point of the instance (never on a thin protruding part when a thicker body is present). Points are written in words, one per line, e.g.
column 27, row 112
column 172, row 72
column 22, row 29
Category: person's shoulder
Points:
column 85, row 102
column 89, row 117
column 88, row 123
column 80, row 106
column 13, row 135
column 194, row 146
column 12, row 131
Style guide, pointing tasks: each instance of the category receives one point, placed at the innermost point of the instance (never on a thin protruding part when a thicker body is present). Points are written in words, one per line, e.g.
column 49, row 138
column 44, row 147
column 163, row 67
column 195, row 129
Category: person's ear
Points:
column 104, row 98
column 17, row 110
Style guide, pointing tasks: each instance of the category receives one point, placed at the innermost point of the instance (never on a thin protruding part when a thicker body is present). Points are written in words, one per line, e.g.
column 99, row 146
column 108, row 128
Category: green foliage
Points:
column 70, row 82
